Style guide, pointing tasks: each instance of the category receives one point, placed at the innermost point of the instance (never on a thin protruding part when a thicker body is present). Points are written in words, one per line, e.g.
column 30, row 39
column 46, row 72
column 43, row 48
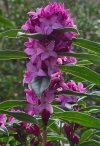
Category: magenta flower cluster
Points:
column 44, row 59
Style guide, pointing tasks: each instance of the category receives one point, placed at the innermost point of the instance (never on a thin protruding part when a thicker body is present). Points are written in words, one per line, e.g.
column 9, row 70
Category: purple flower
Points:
column 70, row 99
column 2, row 119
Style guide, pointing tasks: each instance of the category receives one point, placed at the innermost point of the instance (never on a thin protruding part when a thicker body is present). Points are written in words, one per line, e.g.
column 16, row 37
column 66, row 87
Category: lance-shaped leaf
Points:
column 39, row 84
column 86, row 135
column 20, row 116
column 92, row 57
column 12, row 103
column 83, row 62
column 82, row 72
column 4, row 130
column 91, row 109
column 78, row 117
column 90, row 143
column 31, row 35
column 89, row 45
column 11, row 33
column 66, row 29
column 73, row 93
column 7, row 55
column 6, row 22
column 56, row 137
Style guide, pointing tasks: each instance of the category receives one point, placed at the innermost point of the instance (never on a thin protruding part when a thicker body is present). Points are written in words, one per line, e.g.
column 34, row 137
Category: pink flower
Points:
column 2, row 119
column 70, row 99
column 66, row 60
column 45, row 20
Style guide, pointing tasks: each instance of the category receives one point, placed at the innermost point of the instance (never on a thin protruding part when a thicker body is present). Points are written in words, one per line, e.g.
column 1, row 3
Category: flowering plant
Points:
column 54, row 111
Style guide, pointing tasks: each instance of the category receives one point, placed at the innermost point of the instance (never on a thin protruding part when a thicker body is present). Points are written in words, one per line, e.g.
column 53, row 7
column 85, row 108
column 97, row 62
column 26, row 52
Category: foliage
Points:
column 74, row 123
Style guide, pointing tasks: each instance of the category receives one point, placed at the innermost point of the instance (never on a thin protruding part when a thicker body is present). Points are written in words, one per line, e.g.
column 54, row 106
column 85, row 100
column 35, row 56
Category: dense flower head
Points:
column 47, row 19
column 43, row 53
column 44, row 56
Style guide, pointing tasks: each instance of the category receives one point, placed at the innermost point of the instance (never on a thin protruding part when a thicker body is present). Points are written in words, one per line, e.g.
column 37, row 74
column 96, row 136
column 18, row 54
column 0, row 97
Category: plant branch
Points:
column 44, row 136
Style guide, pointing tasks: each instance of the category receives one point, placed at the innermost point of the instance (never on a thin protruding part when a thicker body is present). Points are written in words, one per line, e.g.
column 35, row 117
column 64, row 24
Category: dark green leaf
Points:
column 66, row 29
column 86, row 135
column 7, row 55
column 92, row 57
column 82, row 72
column 12, row 33
column 20, row 116
column 6, row 22
column 39, row 84
column 12, row 103
column 90, row 143
column 90, row 45
column 78, row 117
column 31, row 35
column 73, row 93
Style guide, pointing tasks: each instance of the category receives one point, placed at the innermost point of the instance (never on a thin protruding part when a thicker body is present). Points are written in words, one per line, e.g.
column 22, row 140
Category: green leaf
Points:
column 91, row 109
column 4, row 130
column 54, row 127
column 73, row 93
column 7, row 55
column 86, row 135
column 12, row 103
column 93, row 58
column 20, row 116
column 12, row 33
column 90, row 143
column 6, row 22
column 39, row 84
column 56, row 138
column 83, row 62
column 31, row 35
column 66, row 29
column 57, row 109
column 78, row 117
column 82, row 72
column 89, row 45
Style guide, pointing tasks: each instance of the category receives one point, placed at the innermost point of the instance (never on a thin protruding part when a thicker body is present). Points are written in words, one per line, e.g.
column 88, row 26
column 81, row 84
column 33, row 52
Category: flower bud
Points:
column 45, row 117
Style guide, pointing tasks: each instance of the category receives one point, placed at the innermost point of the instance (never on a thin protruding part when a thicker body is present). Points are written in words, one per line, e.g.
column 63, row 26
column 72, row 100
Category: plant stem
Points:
column 44, row 136
column 71, row 144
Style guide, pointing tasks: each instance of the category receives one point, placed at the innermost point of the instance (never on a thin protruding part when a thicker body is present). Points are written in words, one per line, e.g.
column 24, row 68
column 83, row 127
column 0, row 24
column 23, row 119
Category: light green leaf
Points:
column 56, row 138
column 4, row 130
column 78, row 117
column 86, row 135
column 91, row 109
column 57, row 109
column 90, row 143
column 12, row 33
column 83, row 62
column 82, row 72
column 6, row 22
column 12, row 103
column 87, row 44
column 7, row 55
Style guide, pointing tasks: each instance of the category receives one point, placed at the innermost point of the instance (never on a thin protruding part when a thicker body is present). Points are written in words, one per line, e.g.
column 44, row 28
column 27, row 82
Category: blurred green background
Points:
column 87, row 14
